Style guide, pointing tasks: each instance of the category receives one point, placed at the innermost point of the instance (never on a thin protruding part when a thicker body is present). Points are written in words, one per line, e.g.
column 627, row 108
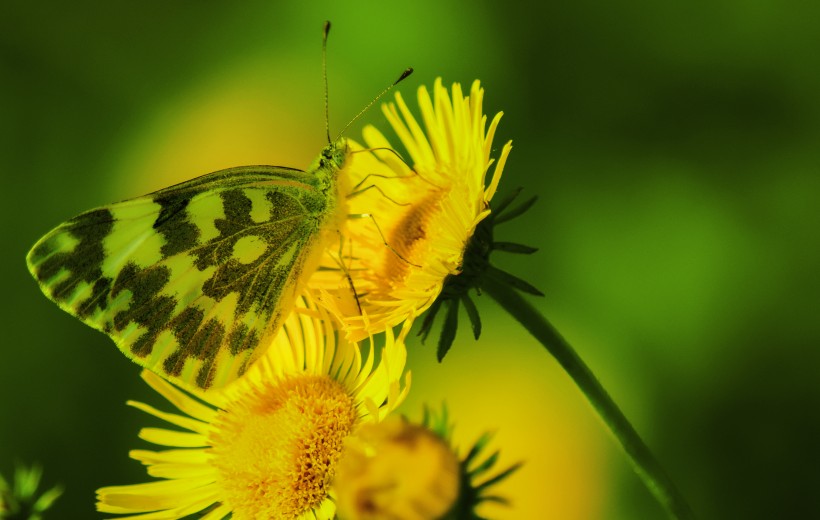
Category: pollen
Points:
column 410, row 237
column 276, row 447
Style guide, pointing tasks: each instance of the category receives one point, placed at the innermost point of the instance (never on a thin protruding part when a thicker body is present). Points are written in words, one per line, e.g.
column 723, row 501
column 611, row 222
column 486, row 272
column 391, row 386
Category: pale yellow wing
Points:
column 193, row 280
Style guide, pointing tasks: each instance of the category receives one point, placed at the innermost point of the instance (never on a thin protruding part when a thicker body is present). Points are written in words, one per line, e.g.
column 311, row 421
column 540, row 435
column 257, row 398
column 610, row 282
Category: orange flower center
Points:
column 396, row 470
column 275, row 447
column 411, row 236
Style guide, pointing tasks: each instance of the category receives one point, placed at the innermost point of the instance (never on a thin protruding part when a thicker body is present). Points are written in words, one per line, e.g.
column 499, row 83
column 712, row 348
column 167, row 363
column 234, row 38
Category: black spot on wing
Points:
column 286, row 215
column 197, row 341
column 204, row 342
column 237, row 208
column 262, row 280
column 175, row 225
column 160, row 311
column 40, row 252
column 185, row 325
column 205, row 346
column 144, row 283
column 98, row 299
column 147, row 308
column 294, row 218
column 258, row 284
column 284, row 206
column 83, row 263
column 242, row 338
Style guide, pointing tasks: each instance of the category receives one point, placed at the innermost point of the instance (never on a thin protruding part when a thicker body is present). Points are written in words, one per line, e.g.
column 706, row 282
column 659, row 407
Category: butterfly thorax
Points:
column 332, row 188
column 326, row 167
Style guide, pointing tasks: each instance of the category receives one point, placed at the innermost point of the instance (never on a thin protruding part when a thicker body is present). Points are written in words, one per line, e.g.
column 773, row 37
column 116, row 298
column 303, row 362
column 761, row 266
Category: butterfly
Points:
column 192, row 281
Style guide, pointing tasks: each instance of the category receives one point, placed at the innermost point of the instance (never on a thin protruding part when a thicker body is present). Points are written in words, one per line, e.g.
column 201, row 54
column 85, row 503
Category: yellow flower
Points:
column 396, row 470
column 404, row 471
column 267, row 445
column 414, row 223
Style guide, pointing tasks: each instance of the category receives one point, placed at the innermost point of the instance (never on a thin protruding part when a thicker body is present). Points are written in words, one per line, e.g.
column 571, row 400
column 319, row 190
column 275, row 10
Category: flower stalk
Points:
column 641, row 458
column 480, row 275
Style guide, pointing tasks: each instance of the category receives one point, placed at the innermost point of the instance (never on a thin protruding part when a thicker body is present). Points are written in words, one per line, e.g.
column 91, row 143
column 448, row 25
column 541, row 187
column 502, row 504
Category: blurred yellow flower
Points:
column 396, row 470
column 404, row 471
column 414, row 223
column 267, row 445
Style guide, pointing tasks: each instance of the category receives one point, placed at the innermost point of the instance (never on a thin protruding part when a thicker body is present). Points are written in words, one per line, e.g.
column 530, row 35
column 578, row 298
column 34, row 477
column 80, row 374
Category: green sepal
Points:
column 510, row 247
column 429, row 319
column 499, row 207
column 514, row 213
column 472, row 313
column 448, row 330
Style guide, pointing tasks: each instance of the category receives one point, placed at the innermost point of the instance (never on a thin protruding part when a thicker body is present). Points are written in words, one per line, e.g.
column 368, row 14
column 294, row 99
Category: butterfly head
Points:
column 334, row 154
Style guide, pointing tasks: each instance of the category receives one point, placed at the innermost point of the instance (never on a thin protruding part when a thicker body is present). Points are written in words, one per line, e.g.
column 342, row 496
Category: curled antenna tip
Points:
column 327, row 27
column 404, row 75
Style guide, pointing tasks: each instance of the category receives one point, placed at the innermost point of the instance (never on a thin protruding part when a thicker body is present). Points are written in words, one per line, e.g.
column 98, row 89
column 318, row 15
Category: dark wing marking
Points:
column 191, row 281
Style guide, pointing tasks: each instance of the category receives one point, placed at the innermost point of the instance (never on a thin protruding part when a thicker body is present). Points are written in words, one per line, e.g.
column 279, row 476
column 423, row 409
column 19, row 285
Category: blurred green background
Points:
column 674, row 150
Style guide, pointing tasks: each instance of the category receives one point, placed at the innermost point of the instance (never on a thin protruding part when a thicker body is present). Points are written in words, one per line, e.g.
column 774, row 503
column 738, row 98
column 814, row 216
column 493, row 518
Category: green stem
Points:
column 642, row 460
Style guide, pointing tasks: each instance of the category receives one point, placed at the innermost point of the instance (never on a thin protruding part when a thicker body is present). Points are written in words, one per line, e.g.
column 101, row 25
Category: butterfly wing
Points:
column 193, row 280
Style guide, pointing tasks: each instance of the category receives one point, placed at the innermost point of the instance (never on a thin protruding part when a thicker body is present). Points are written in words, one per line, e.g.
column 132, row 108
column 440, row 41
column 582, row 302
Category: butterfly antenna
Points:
column 403, row 76
column 324, row 74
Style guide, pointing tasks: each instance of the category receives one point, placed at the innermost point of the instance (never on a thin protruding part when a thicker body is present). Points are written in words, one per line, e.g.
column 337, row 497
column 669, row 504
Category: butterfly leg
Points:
column 405, row 163
column 384, row 240
column 343, row 268
column 374, row 187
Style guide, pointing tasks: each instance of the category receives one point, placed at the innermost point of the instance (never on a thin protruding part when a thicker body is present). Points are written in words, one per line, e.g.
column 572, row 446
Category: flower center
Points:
column 409, row 237
column 275, row 447
column 396, row 470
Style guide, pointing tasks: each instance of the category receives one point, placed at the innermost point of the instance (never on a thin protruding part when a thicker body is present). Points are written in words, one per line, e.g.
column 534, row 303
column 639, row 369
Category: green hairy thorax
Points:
column 194, row 280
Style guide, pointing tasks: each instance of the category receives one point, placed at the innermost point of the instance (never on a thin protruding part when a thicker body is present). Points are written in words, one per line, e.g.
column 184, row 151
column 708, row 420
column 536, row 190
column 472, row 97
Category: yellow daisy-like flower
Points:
column 405, row 471
column 267, row 445
column 396, row 470
column 415, row 223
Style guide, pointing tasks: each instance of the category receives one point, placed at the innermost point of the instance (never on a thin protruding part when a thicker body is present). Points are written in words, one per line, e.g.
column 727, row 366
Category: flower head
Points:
column 397, row 469
column 267, row 445
column 414, row 223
